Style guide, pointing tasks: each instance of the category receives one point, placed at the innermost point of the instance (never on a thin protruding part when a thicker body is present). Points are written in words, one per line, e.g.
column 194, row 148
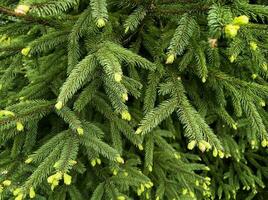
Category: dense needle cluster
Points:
column 133, row 99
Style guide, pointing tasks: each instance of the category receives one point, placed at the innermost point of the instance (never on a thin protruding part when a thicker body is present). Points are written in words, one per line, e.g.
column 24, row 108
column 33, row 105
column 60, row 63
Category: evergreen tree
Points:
column 133, row 99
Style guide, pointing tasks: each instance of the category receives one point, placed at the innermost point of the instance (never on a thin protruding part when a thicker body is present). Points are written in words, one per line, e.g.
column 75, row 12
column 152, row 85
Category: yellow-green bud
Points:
column 32, row 193
column 125, row 115
column 93, row 162
column 253, row 142
column 20, row 126
column 151, row 183
column 56, row 165
column 115, row 172
column 253, row 46
column 140, row 147
column 59, row 105
column 80, row 131
column 231, row 30
column 7, row 183
column 262, row 103
column 191, row 194
column 208, row 146
column 119, row 159
column 184, row 191
column 118, row 77
column 19, row 197
column 202, row 145
column 148, row 185
column 204, row 79
column 264, row 143
column 147, row 195
column 170, row 59
column 150, row 168
column 98, row 161
column 197, row 183
column 235, row 126
column 67, row 179
column 125, row 97
column 54, row 184
column 264, row 66
column 221, row 154
column 121, row 198
column 207, row 168
column 126, row 29
column 125, row 174
column 22, row 9
column 208, row 179
column 138, row 131
column 100, row 23
column 241, row 20
column 215, row 152
column 254, row 76
column 177, row 156
column 58, row 175
column 232, row 58
column 25, row 51
column 17, row 191
column 205, row 186
column 139, row 192
column 72, row 162
column 191, row 145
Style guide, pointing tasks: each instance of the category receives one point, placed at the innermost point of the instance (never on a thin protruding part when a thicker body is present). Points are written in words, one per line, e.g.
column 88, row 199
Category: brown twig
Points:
column 8, row 11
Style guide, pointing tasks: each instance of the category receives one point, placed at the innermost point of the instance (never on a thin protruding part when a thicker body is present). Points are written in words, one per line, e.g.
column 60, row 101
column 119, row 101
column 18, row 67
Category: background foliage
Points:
column 133, row 99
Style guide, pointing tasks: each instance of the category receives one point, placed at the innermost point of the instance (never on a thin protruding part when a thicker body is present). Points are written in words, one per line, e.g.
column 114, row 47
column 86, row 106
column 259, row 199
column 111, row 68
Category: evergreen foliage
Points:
column 132, row 99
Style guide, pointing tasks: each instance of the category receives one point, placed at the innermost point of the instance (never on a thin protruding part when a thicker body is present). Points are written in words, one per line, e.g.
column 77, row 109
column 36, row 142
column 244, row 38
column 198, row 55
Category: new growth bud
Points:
column 100, row 23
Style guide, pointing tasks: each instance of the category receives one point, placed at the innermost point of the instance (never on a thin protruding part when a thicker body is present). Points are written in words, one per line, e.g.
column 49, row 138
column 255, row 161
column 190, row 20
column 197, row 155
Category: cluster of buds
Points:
column 231, row 30
column 185, row 191
column 18, row 193
column 126, row 115
column 205, row 146
column 144, row 186
column 95, row 161
column 217, row 152
column 55, row 178
column 5, row 183
column 202, row 145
